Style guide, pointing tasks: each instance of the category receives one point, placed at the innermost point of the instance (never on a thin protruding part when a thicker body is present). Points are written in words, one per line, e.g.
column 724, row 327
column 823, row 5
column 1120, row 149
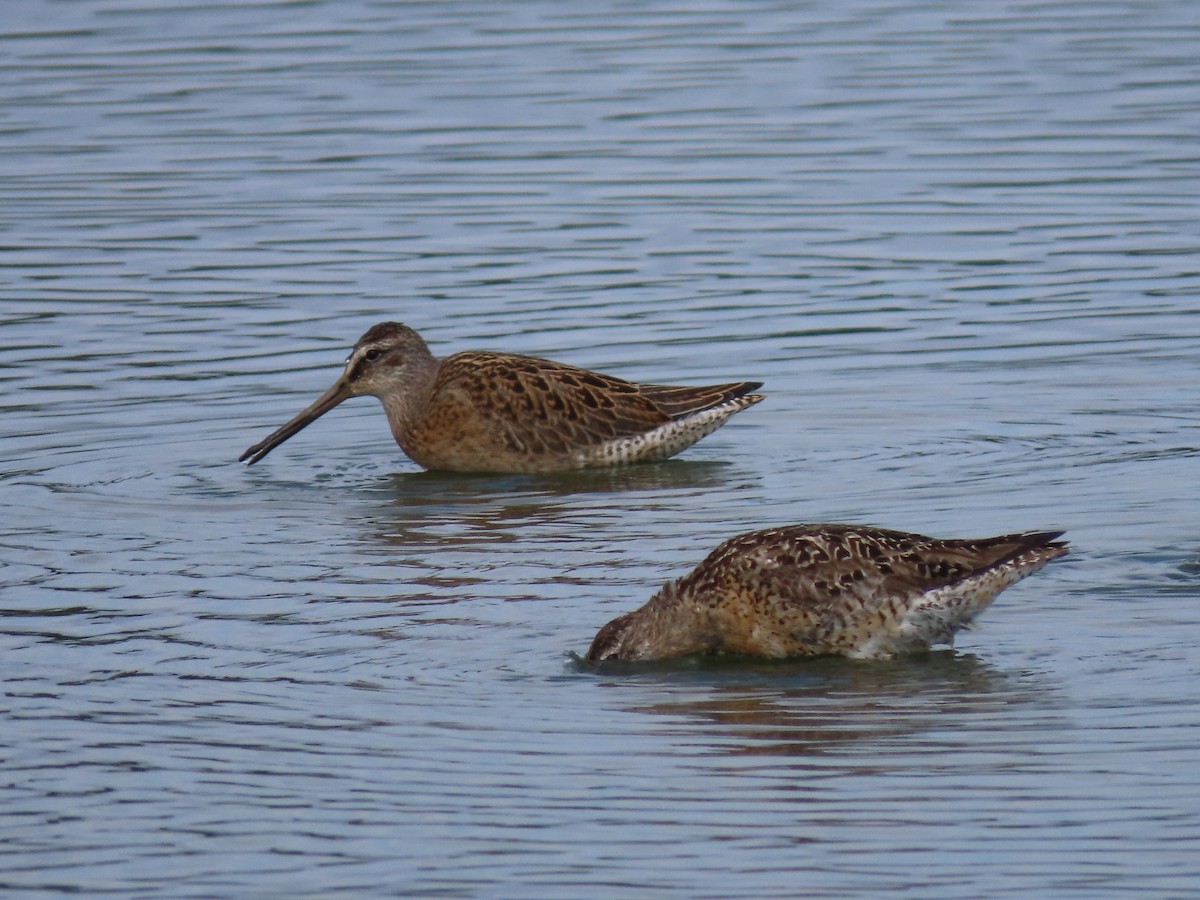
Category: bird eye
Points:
column 373, row 354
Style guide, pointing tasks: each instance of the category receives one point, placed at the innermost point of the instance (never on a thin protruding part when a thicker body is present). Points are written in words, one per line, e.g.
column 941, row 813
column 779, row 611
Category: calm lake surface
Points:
column 959, row 242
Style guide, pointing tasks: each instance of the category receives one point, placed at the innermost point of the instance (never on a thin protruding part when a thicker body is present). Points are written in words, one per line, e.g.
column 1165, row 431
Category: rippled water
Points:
column 958, row 242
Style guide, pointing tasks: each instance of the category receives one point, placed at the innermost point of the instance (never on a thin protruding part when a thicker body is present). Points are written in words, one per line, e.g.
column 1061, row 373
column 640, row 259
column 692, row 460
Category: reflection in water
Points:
column 491, row 509
column 419, row 487
column 1192, row 566
column 955, row 245
column 809, row 707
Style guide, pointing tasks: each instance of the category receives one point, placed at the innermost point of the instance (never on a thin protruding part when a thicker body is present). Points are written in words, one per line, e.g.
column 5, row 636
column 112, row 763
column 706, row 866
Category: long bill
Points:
column 327, row 401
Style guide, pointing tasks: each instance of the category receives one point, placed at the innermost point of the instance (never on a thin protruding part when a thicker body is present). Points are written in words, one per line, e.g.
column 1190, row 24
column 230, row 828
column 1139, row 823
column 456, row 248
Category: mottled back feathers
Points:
column 481, row 411
column 542, row 407
column 826, row 589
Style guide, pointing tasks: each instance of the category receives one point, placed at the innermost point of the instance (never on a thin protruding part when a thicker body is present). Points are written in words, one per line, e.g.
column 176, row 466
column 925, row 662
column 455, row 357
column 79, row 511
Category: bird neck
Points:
column 405, row 400
column 670, row 625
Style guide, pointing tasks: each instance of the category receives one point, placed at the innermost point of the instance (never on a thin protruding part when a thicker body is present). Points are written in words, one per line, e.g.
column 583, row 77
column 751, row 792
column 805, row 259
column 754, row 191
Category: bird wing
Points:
column 828, row 567
column 538, row 405
column 821, row 567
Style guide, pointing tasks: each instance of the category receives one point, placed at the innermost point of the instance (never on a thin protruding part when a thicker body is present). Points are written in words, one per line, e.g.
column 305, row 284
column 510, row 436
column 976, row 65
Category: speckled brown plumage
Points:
column 808, row 590
column 480, row 411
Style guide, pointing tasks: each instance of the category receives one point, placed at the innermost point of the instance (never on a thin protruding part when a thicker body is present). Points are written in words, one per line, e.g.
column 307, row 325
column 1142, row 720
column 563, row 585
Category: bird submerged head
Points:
column 666, row 627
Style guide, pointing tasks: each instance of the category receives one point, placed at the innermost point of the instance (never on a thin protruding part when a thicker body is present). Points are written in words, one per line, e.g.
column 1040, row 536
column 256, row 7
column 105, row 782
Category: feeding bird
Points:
column 483, row 411
column 814, row 590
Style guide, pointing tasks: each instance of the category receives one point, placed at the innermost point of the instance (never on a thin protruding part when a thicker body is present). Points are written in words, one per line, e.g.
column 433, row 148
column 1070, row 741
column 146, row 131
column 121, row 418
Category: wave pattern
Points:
column 957, row 244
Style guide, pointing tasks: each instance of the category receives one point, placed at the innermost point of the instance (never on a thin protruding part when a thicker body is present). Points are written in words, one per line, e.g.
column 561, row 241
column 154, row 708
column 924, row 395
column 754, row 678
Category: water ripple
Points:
column 958, row 246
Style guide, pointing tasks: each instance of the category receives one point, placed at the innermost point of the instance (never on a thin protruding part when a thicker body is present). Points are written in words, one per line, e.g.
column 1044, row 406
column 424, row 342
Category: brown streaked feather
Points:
column 546, row 407
column 677, row 402
column 821, row 566
column 826, row 589
column 482, row 411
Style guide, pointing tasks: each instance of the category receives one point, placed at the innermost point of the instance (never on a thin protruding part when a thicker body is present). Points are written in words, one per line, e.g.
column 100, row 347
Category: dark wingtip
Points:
column 1047, row 539
column 1033, row 541
column 741, row 390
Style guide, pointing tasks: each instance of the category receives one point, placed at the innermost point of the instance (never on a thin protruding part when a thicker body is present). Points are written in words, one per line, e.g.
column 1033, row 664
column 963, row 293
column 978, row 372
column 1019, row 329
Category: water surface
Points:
column 959, row 245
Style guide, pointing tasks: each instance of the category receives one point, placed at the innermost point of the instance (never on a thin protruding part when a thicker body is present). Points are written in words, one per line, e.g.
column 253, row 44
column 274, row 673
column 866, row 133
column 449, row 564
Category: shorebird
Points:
column 818, row 590
column 480, row 411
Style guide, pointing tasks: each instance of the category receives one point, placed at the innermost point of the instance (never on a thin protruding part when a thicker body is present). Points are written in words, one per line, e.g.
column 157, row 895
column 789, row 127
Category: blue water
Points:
column 959, row 244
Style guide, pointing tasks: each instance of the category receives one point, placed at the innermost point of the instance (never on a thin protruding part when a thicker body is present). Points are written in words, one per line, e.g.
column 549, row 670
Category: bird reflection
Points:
column 418, row 487
column 492, row 509
column 810, row 707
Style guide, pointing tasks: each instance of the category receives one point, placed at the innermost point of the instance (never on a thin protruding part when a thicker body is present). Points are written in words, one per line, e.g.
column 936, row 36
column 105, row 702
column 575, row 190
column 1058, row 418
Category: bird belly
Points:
column 662, row 442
